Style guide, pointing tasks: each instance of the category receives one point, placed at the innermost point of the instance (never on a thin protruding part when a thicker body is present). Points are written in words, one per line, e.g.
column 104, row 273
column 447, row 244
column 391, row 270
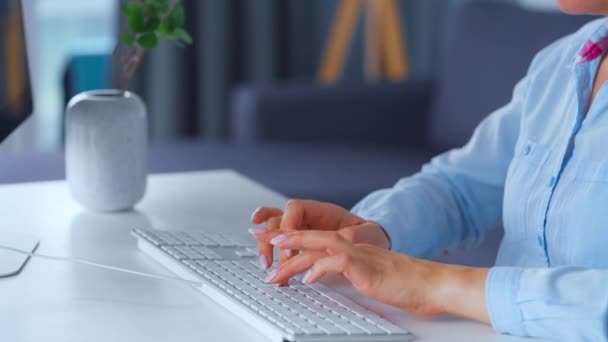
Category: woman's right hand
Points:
column 311, row 215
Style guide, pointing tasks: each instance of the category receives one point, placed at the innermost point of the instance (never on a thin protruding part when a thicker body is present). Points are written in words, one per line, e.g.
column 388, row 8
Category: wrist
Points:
column 379, row 236
column 460, row 291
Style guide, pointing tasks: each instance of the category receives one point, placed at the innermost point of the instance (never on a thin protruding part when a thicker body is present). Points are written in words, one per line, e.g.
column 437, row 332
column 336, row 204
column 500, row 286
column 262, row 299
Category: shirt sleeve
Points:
column 457, row 196
column 565, row 303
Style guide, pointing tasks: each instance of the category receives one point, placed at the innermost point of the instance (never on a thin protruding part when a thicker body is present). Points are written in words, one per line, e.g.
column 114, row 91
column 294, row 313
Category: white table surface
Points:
column 52, row 301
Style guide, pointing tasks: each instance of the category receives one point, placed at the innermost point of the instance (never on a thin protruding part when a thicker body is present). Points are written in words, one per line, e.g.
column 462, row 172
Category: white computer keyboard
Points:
column 231, row 276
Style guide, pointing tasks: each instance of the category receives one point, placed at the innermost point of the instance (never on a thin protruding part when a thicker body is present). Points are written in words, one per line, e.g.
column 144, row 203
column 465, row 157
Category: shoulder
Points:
column 564, row 50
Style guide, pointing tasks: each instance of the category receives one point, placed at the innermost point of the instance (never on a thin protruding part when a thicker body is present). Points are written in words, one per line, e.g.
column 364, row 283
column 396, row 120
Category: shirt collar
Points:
column 595, row 47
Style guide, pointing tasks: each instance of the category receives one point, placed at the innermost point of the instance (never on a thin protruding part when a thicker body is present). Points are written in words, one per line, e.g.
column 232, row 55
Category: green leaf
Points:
column 169, row 25
column 162, row 30
column 150, row 21
column 159, row 5
column 147, row 40
column 178, row 15
column 163, row 5
column 151, row 24
column 135, row 17
column 127, row 38
column 130, row 7
column 182, row 35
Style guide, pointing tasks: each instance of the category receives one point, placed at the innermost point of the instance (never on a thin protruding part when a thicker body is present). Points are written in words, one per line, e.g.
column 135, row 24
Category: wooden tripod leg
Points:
column 374, row 39
column 395, row 56
column 339, row 41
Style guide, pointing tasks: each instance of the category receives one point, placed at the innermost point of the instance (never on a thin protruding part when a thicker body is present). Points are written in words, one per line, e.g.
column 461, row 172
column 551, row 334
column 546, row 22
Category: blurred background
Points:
column 235, row 42
column 319, row 99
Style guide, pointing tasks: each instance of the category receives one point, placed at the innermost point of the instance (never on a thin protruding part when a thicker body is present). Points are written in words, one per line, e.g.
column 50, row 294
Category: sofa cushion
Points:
column 388, row 114
column 488, row 50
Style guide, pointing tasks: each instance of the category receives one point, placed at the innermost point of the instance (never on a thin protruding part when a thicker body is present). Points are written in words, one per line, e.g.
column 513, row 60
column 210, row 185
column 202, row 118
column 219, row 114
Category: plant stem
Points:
column 130, row 59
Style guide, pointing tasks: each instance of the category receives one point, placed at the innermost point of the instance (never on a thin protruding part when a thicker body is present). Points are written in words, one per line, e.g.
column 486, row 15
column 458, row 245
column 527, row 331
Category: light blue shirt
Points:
column 539, row 167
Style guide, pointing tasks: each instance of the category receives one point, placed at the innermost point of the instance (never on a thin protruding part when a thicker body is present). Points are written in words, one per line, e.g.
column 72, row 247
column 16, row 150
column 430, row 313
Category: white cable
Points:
column 94, row 264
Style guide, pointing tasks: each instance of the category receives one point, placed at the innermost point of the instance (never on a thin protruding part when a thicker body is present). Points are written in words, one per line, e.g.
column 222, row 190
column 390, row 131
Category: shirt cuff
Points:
column 502, row 287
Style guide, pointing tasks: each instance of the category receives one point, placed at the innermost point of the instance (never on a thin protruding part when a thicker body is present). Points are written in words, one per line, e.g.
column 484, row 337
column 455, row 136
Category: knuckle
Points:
column 344, row 259
column 366, row 286
column 295, row 237
column 347, row 234
column 273, row 223
column 334, row 238
column 294, row 203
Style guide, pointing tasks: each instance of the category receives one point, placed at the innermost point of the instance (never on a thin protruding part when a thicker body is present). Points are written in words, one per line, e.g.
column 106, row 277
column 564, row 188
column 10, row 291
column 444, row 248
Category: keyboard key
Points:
column 392, row 329
column 369, row 328
column 245, row 253
column 332, row 329
column 352, row 329
column 174, row 252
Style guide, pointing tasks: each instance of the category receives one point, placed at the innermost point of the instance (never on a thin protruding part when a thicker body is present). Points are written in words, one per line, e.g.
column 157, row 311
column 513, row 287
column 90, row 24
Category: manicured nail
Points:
column 307, row 277
column 254, row 213
column 270, row 277
column 257, row 230
column 277, row 240
column 289, row 253
column 264, row 262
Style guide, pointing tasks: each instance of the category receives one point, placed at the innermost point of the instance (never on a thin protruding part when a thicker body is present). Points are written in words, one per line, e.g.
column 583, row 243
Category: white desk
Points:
column 52, row 301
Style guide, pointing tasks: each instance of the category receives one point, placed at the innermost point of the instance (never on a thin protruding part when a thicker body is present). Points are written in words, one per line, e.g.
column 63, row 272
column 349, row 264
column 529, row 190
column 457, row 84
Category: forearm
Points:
column 461, row 291
column 432, row 211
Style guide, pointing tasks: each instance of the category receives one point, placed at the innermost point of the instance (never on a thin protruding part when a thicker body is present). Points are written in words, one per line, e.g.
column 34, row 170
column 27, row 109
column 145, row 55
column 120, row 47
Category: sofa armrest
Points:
column 380, row 114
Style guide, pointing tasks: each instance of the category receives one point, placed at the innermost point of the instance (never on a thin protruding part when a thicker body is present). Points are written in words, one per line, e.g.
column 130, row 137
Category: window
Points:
column 59, row 29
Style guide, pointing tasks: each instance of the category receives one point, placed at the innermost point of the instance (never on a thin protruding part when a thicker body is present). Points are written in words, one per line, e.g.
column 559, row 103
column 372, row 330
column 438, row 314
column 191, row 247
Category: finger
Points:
column 274, row 223
column 264, row 235
column 295, row 266
column 368, row 232
column 300, row 214
column 293, row 219
column 286, row 255
column 312, row 240
column 261, row 215
column 293, row 216
column 265, row 249
column 338, row 264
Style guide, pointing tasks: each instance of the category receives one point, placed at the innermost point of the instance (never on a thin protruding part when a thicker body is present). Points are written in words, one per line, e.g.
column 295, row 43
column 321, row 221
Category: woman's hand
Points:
column 414, row 285
column 389, row 277
column 311, row 215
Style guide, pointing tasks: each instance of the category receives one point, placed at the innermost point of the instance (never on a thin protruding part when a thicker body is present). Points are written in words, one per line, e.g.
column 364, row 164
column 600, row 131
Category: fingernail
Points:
column 307, row 277
column 278, row 239
column 270, row 277
column 254, row 213
column 257, row 231
column 289, row 253
column 264, row 262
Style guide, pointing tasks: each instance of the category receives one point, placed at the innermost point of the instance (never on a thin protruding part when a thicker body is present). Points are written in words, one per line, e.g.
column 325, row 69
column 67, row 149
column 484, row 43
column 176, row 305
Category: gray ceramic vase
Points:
column 106, row 149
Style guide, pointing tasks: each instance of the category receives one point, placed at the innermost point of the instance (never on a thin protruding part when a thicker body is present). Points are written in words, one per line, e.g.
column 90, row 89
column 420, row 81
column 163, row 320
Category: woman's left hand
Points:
column 411, row 284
